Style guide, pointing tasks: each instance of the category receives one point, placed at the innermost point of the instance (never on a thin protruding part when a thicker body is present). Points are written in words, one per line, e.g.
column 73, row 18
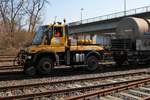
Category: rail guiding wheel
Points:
column 30, row 71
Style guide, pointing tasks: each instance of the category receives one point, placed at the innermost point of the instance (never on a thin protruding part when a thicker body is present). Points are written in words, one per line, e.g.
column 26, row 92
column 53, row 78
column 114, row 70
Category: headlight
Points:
column 29, row 57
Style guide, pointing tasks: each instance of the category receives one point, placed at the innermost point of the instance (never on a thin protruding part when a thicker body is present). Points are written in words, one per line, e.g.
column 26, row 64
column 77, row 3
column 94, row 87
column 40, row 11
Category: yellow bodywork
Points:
column 34, row 48
column 58, row 44
column 86, row 47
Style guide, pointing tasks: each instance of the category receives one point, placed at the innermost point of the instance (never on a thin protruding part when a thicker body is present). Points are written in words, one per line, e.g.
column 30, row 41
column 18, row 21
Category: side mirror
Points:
column 45, row 42
column 69, row 42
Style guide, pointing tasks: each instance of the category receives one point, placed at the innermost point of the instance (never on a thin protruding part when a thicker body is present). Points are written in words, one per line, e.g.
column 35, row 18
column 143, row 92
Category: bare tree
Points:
column 9, row 10
column 16, row 14
column 15, row 6
column 3, row 12
column 34, row 8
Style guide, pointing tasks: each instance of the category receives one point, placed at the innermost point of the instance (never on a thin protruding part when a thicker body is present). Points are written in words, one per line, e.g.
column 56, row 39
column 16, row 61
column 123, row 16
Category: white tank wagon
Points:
column 133, row 28
column 132, row 43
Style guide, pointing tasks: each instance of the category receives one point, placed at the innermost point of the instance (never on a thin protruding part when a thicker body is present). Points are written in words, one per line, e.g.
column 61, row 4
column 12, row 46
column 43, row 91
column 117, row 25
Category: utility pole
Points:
column 125, row 7
column 81, row 14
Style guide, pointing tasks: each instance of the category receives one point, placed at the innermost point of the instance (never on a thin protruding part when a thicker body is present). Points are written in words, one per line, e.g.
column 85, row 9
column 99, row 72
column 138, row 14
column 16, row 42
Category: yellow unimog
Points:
column 51, row 46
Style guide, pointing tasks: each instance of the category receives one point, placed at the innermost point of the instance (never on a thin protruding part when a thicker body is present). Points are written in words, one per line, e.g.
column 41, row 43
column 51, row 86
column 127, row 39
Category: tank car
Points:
column 132, row 43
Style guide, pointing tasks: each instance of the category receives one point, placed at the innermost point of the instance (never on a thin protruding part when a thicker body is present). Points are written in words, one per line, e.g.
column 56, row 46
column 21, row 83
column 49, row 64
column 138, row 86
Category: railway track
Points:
column 8, row 63
column 65, row 88
column 4, row 56
column 7, row 58
column 143, row 84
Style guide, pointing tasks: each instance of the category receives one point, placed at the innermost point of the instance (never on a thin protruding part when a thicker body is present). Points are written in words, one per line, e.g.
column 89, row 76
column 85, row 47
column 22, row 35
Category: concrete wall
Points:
column 101, row 39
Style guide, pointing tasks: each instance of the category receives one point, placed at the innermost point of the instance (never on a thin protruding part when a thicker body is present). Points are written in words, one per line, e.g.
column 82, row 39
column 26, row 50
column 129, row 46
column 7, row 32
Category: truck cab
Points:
column 50, row 37
column 52, row 47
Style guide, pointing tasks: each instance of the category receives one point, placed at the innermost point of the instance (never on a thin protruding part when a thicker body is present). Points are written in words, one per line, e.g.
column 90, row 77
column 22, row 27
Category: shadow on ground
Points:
column 60, row 72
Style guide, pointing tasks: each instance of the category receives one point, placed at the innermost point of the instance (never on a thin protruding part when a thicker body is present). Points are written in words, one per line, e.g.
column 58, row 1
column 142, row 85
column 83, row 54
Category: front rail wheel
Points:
column 30, row 71
column 92, row 63
column 45, row 66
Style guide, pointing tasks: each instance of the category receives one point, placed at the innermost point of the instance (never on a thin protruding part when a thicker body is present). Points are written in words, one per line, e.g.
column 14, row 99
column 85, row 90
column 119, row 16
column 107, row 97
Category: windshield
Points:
column 39, row 34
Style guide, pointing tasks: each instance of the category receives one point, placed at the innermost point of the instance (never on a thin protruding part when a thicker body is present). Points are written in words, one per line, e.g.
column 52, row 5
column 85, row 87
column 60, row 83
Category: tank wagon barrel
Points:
column 133, row 28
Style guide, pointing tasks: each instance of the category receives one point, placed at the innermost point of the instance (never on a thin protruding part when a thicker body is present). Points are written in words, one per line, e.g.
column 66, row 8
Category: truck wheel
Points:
column 30, row 71
column 92, row 63
column 45, row 66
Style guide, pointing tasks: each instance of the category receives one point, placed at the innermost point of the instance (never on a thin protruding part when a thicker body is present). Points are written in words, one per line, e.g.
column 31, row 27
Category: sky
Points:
column 71, row 9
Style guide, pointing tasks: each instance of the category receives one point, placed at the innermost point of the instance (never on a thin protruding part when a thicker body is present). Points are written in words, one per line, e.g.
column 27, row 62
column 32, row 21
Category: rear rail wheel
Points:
column 92, row 63
column 30, row 71
column 120, row 58
column 45, row 66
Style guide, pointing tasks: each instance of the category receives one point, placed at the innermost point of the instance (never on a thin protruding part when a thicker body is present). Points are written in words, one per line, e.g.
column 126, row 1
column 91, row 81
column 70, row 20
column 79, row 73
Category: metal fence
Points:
column 113, row 15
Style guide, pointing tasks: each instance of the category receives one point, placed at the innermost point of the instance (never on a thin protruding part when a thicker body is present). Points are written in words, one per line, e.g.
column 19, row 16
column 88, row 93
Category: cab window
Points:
column 58, row 32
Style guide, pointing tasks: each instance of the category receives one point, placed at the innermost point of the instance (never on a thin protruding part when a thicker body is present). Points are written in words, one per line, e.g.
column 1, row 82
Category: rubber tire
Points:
column 45, row 66
column 92, row 63
column 30, row 71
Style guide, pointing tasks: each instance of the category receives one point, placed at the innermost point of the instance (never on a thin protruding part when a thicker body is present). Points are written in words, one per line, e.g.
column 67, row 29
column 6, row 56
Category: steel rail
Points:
column 146, row 98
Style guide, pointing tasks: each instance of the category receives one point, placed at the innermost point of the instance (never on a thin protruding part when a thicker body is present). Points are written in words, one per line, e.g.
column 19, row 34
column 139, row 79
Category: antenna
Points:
column 64, row 20
column 55, row 19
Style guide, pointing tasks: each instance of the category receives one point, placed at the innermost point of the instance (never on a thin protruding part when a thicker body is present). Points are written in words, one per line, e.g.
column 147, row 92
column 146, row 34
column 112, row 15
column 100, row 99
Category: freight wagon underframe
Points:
column 128, row 51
